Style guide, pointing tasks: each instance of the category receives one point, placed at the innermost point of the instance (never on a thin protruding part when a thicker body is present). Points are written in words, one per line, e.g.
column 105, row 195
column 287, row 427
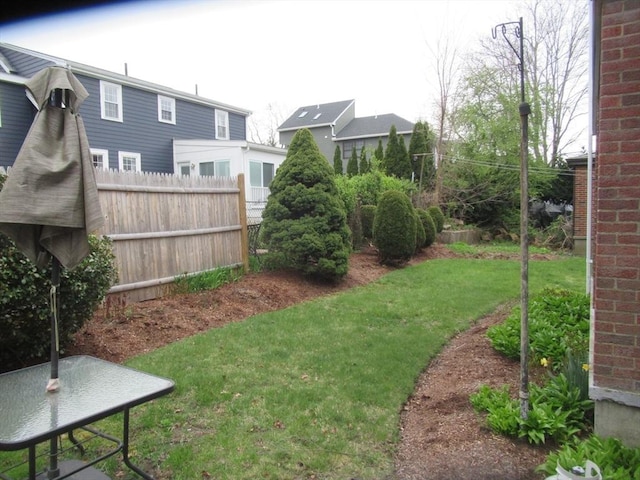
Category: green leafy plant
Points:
column 616, row 462
column 556, row 412
column 25, row 305
column 206, row 280
column 558, row 321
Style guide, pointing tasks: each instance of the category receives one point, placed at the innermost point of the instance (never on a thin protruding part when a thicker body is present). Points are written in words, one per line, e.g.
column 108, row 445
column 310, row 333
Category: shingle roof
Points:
column 315, row 115
column 374, row 126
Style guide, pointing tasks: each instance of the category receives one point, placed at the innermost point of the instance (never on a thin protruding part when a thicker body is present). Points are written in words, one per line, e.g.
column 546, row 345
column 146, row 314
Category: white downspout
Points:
column 591, row 133
column 588, row 252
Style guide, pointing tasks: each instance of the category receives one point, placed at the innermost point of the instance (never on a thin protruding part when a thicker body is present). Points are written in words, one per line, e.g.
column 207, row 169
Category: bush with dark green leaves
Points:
column 24, row 300
column 394, row 228
column 421, row 236
column 304, row 222
column 438, row 217
column 429, row 227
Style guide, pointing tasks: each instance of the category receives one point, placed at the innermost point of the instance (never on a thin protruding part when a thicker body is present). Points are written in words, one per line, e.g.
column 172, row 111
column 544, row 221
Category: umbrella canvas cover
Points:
column 49, row 202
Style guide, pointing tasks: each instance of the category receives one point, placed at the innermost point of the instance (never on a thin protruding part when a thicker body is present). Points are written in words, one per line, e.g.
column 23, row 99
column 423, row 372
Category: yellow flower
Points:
column 585, row 367
column 544, row 362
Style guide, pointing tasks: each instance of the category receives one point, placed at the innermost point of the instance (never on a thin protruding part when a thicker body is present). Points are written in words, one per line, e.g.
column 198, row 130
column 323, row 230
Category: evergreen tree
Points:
column 364, row 162
column 396, row 159
column 337, row 161
column 404, row 163
column 421, row 155
column 352, row 164
column 304, row 223
column 379, row 152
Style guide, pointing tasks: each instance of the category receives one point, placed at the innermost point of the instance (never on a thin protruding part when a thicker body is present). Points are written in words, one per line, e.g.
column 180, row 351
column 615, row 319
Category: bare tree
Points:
column 263, row 126
column 445, row 65
column 556, row 66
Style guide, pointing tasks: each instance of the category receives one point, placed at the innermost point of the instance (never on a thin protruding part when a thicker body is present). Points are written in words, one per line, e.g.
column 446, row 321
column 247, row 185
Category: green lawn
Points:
column 315, row 390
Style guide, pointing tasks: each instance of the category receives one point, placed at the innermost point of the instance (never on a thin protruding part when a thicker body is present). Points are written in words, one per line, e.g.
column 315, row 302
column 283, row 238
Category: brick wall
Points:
column 616, row 361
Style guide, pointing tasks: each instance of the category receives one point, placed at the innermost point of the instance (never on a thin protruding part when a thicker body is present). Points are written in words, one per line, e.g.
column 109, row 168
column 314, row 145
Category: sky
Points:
column 280, row 53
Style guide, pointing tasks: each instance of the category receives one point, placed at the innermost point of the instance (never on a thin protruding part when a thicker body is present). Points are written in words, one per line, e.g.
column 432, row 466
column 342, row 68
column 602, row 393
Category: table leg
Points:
column 32, row 462
column 125, row 449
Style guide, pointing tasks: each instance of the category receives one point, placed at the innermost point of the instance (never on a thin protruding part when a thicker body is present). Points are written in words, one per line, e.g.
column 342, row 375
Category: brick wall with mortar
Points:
column 616, row 355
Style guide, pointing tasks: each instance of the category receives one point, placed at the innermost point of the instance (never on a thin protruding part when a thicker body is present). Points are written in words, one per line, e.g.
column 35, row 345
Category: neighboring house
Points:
column 258, row 162
column 615, row 373
column 131, row 124
column 336, row 124
column 579, row 166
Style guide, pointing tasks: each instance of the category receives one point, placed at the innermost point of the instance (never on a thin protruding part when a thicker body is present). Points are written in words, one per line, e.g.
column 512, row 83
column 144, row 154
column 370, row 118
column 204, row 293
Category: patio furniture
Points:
column 92, row 389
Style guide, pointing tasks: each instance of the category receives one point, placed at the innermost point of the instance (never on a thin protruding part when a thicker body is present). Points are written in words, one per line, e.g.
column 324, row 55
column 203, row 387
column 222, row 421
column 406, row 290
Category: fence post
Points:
column 244, row 235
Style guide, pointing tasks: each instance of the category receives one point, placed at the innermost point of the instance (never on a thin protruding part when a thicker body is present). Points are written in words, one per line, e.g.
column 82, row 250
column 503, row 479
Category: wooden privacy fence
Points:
column 165, row 226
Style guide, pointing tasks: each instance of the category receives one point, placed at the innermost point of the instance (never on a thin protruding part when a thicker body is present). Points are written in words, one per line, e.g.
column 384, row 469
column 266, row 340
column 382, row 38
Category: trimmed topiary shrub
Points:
column 367, row 214
column 429, row 227
column 394, row 228
column 437, row 216
column 24, row 300
column 421, row 235
column 304, row 222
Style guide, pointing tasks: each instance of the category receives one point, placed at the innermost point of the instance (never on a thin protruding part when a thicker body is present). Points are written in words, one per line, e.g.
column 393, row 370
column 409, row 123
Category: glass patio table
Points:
column 90, row 390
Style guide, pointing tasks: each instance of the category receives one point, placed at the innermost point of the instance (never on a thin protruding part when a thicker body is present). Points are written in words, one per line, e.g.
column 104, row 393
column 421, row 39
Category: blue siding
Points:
column 26, row 65
column 140, row 130
column 17, row 115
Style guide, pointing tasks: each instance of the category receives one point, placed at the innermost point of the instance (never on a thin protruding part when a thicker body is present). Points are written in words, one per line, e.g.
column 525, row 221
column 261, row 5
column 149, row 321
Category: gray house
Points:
column 336, row 124
column 131, row 124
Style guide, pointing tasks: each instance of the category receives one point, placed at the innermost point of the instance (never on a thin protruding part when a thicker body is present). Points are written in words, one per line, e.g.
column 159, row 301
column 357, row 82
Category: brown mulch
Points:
column 441, row 437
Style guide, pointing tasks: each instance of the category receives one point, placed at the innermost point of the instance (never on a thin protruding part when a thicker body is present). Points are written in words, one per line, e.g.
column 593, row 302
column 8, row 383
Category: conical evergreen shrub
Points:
column 304, row 222
column 394, row 228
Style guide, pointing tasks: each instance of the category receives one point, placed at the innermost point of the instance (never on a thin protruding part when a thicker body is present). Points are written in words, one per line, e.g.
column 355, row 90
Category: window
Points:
column 110, row 101
column 260, row 174
column 185, row 169
column 347, row 148
column 100, row 158
column 222, row 125
column 129, row 162
column 303, row 114
column 166, row 109
column 217, row 168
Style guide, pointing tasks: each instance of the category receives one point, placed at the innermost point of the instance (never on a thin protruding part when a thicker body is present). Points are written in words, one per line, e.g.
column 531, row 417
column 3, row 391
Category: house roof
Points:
column 374, row 126
column 318, row 115
column 102, row 74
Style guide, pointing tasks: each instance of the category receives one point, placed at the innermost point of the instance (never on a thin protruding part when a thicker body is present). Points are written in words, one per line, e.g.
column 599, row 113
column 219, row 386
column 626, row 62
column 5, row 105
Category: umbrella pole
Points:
column 54, row 384
column 54, row 471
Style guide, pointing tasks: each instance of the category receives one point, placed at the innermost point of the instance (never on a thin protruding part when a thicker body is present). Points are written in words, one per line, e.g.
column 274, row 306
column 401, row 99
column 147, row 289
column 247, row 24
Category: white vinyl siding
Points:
column 110, row 101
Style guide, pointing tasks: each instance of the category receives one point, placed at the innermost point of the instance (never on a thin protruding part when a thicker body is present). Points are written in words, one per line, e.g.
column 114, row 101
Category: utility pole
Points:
column 515, row 29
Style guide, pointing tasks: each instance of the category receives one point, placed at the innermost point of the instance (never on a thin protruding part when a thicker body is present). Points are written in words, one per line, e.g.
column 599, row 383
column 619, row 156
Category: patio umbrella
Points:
column 49, row 202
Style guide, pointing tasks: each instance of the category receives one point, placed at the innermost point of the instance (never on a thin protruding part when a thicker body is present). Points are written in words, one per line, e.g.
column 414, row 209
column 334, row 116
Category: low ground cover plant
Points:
column 616, row 462
column 558, row 324
column 560, row 409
